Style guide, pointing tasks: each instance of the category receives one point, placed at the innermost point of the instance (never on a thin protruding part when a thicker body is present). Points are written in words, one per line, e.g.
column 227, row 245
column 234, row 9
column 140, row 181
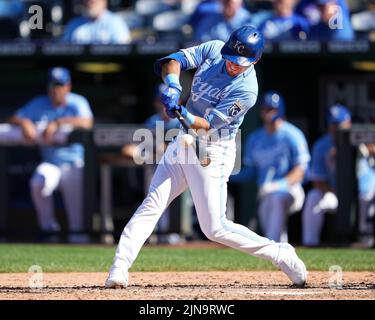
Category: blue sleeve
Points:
column 232, row 109
column 120, row 31
column 29, row 110
column 192, row 57
column 318, row 171
column 82, row 108
column 299, row 149
column 197, row 55
column 178, row 56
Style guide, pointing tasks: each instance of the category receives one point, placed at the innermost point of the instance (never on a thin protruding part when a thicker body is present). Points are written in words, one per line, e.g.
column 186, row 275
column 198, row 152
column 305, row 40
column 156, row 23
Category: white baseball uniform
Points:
column 223, row 101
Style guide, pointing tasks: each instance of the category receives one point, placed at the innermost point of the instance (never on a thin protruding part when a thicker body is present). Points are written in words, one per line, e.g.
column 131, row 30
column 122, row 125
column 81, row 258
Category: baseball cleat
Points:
column 291, row 265
column 117, row 278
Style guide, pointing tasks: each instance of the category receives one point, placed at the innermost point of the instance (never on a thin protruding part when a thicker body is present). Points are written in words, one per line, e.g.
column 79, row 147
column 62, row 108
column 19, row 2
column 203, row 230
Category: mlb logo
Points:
column 235, row 109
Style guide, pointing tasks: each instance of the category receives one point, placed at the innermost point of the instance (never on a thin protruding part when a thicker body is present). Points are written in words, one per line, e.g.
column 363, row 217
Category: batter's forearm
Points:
column 200, row 123
column 172, row 66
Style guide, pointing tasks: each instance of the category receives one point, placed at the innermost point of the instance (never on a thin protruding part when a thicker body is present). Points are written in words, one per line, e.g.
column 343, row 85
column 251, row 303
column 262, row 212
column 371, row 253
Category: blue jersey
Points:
column 284, row 28
column 272, row 156
column 216, row 27
column 323, row 164
column 40, row 109
column 107, row 29
column 216, row 96
column 366, row 177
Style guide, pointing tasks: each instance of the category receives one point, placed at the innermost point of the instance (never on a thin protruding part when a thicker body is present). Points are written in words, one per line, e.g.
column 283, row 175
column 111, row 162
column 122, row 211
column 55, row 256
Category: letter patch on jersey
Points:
column 235, row 109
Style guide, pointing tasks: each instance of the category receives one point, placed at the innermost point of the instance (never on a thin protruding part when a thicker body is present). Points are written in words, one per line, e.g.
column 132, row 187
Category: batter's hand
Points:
column 171, row 95
column 50, row 131
column 171, row 111
column 29, row 130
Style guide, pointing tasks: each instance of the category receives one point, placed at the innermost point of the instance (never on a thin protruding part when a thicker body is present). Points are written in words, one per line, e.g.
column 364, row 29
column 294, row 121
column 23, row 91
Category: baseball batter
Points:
column 277, row 155
column 224, row 88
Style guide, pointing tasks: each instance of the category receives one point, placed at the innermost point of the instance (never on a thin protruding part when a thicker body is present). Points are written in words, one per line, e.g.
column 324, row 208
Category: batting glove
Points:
column 171, row 111
column 171, row 95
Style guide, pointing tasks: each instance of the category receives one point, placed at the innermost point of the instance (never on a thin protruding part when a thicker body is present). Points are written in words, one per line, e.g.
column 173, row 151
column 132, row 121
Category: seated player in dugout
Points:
column 277, row 156
column 224, row 89
column 62, row 166
column 322, row 199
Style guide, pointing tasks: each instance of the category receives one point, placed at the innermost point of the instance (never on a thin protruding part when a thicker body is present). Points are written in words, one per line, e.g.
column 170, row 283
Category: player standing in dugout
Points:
column 224, row 89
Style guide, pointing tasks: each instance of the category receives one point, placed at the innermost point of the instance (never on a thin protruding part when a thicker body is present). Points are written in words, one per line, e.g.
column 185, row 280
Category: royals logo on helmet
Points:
column 235, row 109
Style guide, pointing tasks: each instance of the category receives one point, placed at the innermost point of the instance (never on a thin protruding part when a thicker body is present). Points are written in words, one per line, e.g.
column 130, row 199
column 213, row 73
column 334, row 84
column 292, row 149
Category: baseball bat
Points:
column 199, row 151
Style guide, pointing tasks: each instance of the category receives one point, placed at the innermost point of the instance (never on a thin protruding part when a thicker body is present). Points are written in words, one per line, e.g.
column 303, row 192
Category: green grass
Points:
column 64, row 258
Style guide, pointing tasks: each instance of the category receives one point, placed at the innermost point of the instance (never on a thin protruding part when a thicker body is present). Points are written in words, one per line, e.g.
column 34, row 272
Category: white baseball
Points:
column 186, row 140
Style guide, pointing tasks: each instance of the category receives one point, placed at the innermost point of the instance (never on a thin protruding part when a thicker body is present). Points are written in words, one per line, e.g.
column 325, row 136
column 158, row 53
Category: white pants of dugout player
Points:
column 46, row 179
column 208, row 187
column 318, row 204
column 274, row 209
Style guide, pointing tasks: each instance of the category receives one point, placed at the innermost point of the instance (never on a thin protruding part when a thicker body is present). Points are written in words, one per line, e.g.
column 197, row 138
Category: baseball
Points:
column 186, row 140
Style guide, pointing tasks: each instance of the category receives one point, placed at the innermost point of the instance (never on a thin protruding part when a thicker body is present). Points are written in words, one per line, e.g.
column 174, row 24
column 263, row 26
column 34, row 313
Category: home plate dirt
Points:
column 188, row 285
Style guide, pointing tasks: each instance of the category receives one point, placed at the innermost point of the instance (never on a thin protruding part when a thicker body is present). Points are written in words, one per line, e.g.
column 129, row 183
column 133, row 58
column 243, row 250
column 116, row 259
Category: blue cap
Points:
column 59, row 76
column 338, row 114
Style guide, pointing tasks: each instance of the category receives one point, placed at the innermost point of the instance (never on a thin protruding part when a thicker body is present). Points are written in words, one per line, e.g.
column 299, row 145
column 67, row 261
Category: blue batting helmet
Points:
column 338, row 114
column 244, row 47
column 273, row 99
